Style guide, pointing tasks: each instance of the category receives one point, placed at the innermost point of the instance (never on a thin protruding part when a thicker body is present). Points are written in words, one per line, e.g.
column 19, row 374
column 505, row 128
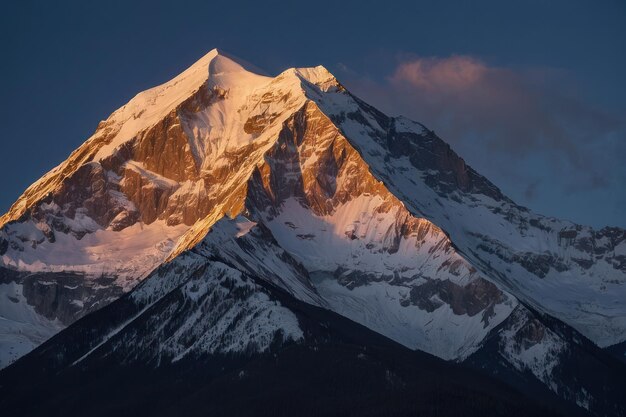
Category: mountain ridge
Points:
column 385, row 223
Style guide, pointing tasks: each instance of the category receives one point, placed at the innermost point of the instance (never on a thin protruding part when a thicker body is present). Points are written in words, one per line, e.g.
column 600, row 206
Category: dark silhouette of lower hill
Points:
column 619, row 351
column 341, row 369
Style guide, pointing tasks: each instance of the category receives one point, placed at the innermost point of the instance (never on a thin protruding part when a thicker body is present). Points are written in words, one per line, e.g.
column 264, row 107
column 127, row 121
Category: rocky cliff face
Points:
column 526, row 253
column 370, row 216
column 317, row 196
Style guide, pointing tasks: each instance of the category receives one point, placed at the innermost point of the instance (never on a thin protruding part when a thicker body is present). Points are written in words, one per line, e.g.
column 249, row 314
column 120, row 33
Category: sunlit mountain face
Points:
column 244, row 244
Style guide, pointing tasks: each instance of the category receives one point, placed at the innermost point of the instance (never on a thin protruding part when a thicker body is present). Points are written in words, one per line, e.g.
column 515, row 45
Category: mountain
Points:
column 212, row 193
column 201, row 337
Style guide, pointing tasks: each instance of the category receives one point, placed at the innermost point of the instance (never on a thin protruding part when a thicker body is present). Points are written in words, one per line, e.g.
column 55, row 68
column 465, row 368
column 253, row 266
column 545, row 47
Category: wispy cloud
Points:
column 453, row 74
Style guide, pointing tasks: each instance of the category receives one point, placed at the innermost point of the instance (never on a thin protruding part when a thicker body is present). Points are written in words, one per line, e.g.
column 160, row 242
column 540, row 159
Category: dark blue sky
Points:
column 532, row 94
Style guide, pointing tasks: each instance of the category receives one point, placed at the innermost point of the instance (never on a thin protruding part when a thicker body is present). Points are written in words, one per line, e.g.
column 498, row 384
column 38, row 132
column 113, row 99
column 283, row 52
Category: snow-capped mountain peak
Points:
column 292, row 182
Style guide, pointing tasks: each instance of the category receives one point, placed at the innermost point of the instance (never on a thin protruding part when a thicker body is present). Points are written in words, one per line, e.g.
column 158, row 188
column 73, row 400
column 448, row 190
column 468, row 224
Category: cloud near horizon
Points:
column 450, row 74
column 528, row 130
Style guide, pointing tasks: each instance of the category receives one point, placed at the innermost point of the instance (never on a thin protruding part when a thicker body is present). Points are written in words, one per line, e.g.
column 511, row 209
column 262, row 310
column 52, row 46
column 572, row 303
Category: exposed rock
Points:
column 471, row 299
column 165, row 150
column 63, row 296
column 4, row 245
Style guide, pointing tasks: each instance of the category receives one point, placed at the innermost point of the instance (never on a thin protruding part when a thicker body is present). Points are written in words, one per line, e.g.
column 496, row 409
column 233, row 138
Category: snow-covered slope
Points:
column 316, row 195
column 23, row 329
column 212, row 299
column 200, row 337
column 236, row 295
column 570, row 271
